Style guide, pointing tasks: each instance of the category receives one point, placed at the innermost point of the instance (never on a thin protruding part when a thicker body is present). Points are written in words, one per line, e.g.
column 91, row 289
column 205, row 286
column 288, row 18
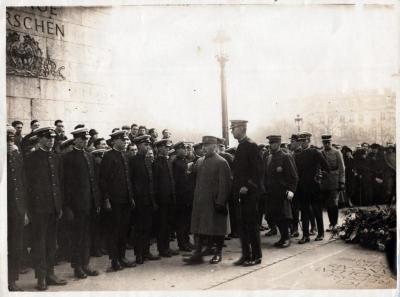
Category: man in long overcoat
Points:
column 209, row 215
column 82, row 201
column 281, row 182
column 16, row 208
column 44, row 184
column 116, row 189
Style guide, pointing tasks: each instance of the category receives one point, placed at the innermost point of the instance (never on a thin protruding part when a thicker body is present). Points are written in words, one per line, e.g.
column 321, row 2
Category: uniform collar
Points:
column 244, row 139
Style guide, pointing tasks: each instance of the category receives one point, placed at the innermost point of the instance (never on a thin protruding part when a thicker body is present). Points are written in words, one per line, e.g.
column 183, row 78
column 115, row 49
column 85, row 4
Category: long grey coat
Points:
column 213, row 185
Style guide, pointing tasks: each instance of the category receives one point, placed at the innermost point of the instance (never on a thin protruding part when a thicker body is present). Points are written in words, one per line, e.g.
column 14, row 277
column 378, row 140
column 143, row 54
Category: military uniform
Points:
column 183, row 199
column 309, row 161
column 143, row 190
column 164, row 189
column 247, row 170
column 281, row 177
column 81, row 196
column 333, row 181
column 16, row 210
column 44, row 184
column 116, row 187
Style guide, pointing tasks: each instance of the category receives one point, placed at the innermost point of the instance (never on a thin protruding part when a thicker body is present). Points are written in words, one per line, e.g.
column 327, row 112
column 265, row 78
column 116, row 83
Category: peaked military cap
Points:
column 238, row 123
column 93, row 132
column 326, row 137
column 163, row 142
column 81, row 132
column 304, row 136
column 294, row 137
column 180, row 144
column 274, row 138
column 210, row 140
column 141, row 139
column 119, row 134
column 45, row 132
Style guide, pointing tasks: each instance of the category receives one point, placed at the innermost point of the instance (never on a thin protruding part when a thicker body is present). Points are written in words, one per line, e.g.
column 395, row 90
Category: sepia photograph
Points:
column 204, row 146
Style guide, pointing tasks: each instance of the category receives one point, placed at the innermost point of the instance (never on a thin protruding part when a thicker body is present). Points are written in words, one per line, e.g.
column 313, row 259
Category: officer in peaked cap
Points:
column 246, row 188
column 183, row 196
column 117, row 193
column 142, row 180
column 81, row 200
column 67, row 145
column 164, row 190
column 46, row 209
column 16, row 208
column 309, row 162
column 280, row 184
column 333, row 181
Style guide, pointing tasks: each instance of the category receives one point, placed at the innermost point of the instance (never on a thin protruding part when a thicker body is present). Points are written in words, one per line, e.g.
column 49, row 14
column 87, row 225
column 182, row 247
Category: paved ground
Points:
column 329, row 264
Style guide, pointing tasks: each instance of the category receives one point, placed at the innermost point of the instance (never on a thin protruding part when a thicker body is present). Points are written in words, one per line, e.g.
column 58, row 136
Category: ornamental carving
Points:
column 25, row 58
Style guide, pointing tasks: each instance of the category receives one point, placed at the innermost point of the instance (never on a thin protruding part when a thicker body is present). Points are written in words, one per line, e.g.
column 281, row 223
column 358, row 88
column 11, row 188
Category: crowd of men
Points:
column 75, row 198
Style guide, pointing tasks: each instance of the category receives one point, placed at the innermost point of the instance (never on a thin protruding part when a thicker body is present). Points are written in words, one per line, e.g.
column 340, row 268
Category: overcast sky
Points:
column 167, row 75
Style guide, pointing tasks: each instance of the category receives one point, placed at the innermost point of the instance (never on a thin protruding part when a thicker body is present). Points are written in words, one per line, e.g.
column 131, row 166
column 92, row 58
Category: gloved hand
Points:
column 289, row 195
column 221, row 209
column 107, row 205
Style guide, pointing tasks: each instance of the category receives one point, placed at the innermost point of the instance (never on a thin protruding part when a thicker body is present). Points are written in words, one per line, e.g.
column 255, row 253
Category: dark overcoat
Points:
column 115, row 182
column 44, row 182
column 280, row 177
column 81, row 191
column 164, row 186
column 142, row 181
column 213, row 184
column 16, row 191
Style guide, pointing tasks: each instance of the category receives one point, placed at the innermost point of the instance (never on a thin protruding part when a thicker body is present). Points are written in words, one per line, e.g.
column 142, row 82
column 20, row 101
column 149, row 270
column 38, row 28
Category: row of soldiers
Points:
column 188, row 192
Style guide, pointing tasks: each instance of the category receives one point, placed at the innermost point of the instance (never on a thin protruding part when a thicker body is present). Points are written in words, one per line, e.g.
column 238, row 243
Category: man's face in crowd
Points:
column 60, row 128
column 35, row 126
column 18, row 129
column 275, row 146
column 150, row 155
column 142, row 131
column 102, row 144
column 238, row 132
column 294, row 145
column 154, row 134
column 305, row 143
column 134, row 130
column 327, row 144
column 181, row 152
column 46, row 142
column 163, row 150
column 199, row 151
column 81, row 142
column 166, row 134
column 143, row 148
column 121, row 144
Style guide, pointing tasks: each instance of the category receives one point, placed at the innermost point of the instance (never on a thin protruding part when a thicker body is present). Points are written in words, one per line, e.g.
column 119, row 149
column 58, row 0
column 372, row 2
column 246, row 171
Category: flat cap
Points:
column 274, row 138
column 238, row 123
column 210, row 140
column 45, row 132
column 119, row 134
column 326, row 137
column 142, row 139
column 180, row 144
column 163, row 142
column 80, row 132
column 125, row 127
column 221, row 141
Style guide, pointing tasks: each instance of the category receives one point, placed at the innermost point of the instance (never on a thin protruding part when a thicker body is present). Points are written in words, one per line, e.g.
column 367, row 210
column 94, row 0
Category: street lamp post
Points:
column 220, row 39
column 298, row 120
